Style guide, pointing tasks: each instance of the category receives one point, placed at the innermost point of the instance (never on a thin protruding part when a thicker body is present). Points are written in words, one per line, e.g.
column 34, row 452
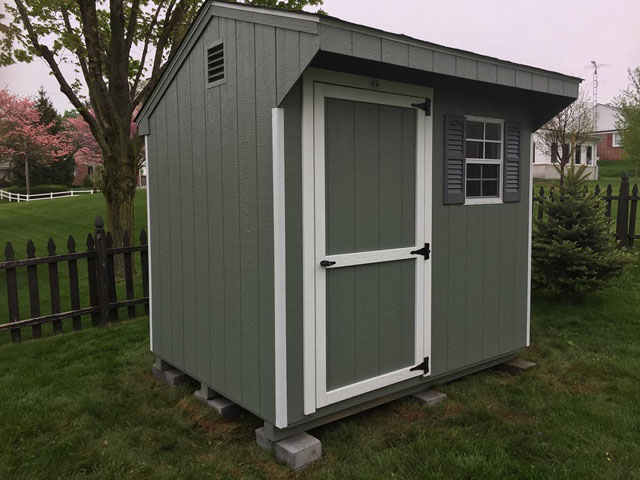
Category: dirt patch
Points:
column 516, row 417
column 199, row 415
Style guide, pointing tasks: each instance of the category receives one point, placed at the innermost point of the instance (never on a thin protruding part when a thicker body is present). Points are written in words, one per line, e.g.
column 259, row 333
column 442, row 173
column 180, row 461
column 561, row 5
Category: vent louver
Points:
column 215, row 64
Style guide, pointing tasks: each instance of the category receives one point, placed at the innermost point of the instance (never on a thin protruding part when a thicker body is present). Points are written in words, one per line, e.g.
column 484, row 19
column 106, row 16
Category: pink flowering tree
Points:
column 23, row 138
column 78, row 137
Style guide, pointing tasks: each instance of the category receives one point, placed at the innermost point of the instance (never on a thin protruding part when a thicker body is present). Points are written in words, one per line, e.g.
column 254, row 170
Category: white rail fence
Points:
column 22, row 197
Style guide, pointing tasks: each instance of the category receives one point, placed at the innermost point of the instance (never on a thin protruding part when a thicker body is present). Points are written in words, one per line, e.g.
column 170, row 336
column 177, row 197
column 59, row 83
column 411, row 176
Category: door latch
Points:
column 424, row 366
column 327, row 263
column 423, row 251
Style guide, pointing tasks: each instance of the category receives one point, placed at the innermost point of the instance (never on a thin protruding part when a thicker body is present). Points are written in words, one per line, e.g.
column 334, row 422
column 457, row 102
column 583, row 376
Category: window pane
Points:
column 473, row 171
column 475, row 130
column 489, row 188
column 493, row 131
column 490, row 172
column 474, row 150
column 473, row 188
column 492, row 150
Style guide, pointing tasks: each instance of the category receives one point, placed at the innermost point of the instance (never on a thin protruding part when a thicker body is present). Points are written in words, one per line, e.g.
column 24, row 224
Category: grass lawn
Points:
column 89, row 407
column 58, row 218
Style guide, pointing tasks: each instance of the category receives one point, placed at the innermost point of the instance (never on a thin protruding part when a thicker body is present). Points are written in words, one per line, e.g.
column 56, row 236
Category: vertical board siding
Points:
column 175, row 227
column 248, row 192
column 293, row 204
column 231, row 215
column 491, row 274
column 370, row 184
column 288, row 60
column 200, row 212
column 186, row 224
column 265, row 74
column 215, row 210
column 212, row 192
column 506, row 279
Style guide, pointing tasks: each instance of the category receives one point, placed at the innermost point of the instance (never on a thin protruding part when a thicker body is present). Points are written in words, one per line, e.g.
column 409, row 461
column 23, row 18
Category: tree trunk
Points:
column 119, row 189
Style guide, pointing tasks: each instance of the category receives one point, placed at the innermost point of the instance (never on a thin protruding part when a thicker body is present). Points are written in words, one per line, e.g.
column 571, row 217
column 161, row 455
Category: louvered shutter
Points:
column 454, row 159
column 512, row 162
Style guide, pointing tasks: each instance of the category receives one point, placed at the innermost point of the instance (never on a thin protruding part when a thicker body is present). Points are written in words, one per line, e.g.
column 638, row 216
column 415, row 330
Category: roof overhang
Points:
column 335, row 38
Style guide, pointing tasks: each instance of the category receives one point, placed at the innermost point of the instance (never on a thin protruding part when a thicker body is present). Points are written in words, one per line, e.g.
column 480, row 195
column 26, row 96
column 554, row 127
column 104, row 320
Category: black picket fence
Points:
column 100, row 259
column 626, row 211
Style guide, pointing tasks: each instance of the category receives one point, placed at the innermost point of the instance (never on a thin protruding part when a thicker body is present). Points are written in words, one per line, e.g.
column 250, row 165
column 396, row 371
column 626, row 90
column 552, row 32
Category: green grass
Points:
column 89, row 408
column 58, row 218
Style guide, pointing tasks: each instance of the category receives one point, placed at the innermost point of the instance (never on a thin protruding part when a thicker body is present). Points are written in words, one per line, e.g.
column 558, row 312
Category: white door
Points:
column 372, row 229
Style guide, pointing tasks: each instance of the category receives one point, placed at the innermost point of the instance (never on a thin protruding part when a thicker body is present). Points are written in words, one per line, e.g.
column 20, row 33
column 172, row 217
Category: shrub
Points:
column 39, row 189
column 573, row 251
column 87, row 181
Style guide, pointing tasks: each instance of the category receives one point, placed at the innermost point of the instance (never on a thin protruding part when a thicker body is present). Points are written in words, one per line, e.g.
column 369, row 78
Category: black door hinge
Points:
column 424, row 366
column 423, row 251
column 426, row 106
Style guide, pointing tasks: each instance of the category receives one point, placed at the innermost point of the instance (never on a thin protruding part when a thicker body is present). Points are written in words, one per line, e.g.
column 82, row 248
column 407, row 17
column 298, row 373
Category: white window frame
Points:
column 499, row 162
column 616, row 140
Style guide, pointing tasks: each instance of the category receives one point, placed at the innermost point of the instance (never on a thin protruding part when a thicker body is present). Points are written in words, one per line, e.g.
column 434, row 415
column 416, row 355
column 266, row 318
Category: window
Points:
column 215, row 64
column 484, row 160
column 554, row 152
column 616, row 141
column 90, row 170
column 589, row 155
column 578, row 154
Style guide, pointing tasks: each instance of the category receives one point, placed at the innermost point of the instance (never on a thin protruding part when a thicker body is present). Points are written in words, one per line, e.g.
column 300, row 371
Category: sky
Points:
column 559, row 35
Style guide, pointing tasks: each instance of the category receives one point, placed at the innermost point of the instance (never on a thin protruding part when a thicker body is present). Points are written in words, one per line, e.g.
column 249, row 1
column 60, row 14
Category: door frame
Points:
column 358, row 88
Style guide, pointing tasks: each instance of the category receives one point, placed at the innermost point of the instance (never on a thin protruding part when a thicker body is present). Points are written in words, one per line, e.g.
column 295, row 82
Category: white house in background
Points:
column 544, row 163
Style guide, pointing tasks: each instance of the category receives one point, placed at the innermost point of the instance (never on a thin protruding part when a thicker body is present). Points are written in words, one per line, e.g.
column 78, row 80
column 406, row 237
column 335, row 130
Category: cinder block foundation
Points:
column 223, row 407
column 205, row 393
column 515, row 366
column 171, row 376
column 297, row 451
column 430, row 398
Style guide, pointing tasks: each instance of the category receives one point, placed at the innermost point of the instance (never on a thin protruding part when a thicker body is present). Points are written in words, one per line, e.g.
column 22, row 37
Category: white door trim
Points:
column 318, row 84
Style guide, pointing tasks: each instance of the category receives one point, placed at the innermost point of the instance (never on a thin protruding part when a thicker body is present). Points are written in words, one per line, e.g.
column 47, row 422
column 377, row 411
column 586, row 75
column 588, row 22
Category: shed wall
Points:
column 479, row 277
column 211, row 207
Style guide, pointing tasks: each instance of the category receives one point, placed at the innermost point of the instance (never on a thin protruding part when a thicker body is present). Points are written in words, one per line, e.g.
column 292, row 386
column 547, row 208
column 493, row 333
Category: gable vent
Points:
column 215, row 64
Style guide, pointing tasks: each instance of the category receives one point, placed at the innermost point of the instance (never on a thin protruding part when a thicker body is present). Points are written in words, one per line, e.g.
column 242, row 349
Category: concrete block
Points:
column 162, row 365
column 298, row 451
column 262, row 440
column 224, row 407
column 172, row 376
column 205, row 393
column 430, row 398
column 515, row 366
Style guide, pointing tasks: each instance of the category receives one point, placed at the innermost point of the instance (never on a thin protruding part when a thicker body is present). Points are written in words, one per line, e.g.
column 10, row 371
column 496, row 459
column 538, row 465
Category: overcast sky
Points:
column 559, row 35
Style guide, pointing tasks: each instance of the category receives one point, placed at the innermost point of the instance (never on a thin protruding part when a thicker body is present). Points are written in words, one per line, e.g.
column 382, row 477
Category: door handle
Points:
column 327, row 263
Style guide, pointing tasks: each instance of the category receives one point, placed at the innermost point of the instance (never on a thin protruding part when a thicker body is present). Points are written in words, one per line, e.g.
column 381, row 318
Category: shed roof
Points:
column 333, row 35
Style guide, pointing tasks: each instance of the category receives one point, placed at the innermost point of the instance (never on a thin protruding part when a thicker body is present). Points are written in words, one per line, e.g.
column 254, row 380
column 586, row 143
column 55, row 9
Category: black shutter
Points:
column 454, row 159
column 512, row 159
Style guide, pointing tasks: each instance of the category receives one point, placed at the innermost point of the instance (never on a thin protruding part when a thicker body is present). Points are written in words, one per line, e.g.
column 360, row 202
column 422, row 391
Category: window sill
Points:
column 483, row 201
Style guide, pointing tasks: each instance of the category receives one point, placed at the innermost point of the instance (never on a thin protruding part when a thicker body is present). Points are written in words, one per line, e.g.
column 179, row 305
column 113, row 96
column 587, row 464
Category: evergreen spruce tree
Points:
column 573, row 251
column 40, row 171
column 48, row 113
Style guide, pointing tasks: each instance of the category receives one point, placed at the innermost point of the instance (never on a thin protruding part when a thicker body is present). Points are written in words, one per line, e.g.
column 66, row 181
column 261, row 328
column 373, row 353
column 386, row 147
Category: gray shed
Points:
column 339, row 216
